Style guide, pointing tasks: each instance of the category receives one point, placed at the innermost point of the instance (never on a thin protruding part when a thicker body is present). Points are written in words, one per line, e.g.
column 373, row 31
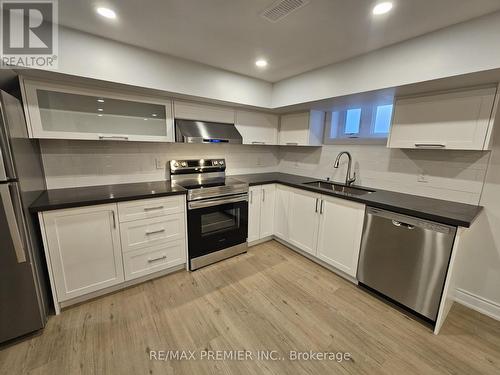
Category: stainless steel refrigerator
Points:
column 23, row 301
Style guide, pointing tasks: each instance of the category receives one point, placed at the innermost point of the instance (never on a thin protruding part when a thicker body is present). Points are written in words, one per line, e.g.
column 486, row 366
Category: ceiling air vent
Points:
column 282, row 8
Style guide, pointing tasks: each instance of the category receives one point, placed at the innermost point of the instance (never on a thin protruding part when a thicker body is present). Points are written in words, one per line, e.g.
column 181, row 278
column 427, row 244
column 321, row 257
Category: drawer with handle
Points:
column 153, row 259
column 147, row 208
column 142, row 233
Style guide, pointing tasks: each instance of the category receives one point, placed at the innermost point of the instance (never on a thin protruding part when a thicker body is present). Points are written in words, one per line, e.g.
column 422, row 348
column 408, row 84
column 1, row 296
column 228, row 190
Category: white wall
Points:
column 459, row 49
column 90, row 56
column 478, row 283
column 451, row 175
column 85, row 163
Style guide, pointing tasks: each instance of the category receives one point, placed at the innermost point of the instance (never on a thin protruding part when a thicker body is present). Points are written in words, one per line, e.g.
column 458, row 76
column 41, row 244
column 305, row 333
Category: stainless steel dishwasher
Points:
column 405, row 259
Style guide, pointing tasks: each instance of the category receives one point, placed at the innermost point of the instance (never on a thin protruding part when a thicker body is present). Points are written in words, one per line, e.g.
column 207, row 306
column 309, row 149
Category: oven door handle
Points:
column 217, row 201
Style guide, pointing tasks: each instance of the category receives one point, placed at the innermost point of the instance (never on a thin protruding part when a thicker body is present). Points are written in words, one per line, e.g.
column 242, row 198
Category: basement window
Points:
column 366, row 124
column 352, row 121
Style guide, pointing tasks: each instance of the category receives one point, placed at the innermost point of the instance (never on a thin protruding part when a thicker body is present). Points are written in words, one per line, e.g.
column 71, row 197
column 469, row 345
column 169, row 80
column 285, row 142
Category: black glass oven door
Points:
column 216, row 227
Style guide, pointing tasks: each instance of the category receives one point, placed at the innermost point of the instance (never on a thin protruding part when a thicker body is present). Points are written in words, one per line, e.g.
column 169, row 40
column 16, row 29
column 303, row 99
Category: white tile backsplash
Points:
column 86, row 163
column 452, row 175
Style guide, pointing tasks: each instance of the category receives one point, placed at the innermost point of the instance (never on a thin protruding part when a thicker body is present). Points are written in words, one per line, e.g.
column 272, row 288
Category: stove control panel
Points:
column 197, row 166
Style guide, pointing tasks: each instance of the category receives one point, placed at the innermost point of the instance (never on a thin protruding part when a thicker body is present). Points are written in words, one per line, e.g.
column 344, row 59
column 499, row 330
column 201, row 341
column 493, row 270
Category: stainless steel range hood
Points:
column 190, row 131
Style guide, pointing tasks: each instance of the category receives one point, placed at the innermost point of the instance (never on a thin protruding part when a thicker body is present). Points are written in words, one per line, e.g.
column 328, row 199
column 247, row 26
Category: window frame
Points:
column 366, row 133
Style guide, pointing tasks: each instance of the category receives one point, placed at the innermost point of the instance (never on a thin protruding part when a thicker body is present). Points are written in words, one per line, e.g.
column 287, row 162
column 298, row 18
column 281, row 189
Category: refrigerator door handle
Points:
column 12, row 223
column 3, row 173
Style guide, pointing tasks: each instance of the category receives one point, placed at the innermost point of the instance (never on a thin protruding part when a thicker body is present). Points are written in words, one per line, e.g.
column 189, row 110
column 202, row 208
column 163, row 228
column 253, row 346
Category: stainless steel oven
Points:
column 217, row 224
column 217, row 210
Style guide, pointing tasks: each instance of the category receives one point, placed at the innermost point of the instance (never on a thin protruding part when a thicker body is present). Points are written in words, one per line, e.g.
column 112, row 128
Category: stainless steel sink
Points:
column 338, row 188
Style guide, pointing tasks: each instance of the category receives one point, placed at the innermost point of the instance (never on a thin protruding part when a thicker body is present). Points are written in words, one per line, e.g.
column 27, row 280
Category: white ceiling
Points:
column 230, row 34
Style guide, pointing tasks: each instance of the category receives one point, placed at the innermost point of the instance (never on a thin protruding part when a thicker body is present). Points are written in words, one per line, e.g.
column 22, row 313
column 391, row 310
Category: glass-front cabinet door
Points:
column 71, row 112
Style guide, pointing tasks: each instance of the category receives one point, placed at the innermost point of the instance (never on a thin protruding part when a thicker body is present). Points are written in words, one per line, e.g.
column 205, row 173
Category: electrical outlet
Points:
column 422, row 178
column 159, row 164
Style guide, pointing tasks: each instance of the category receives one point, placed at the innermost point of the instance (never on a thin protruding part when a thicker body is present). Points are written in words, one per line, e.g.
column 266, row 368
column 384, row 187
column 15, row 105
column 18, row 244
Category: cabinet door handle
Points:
column 153, row 208
column 114, row 137
column 430, row 145
column 114, row 219
column 263, row 195
column 151, row 260
column 258, row 143
column 321, row 207
column 155, row 231
column 292, row 143
column 251, row 196
column 316, row 209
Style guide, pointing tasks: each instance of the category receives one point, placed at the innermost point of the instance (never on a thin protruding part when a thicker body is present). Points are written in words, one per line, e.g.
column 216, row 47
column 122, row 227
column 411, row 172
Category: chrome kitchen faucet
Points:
column 348, row 179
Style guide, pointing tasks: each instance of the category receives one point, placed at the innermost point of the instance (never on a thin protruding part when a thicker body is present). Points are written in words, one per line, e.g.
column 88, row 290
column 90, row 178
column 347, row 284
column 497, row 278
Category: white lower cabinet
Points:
column 326, row 227
column 84, row 248
column 154, row 258
column 339, row 236
column 261, row 205
column 281, row 216
column 254, row 194
column 267, row 210
column 149, row 208
column 88, row 249
column 146, row 232
column 303, row 219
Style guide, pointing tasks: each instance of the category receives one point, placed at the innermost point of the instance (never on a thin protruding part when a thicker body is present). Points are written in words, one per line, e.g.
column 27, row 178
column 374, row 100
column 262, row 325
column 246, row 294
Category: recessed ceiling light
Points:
column 106, row 12
column 100, row 100
column 100, row 109
column 382, row 8
column 154, row 115
column 261, row 63
column 100, row 115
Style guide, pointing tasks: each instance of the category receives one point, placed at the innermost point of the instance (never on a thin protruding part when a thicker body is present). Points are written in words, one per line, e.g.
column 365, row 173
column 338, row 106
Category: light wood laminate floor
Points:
column 268, row 299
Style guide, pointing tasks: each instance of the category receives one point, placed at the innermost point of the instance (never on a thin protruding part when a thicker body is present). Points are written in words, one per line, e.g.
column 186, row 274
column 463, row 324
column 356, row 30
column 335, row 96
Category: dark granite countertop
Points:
column 90, row 195
column 442, row 211
column 446, row 212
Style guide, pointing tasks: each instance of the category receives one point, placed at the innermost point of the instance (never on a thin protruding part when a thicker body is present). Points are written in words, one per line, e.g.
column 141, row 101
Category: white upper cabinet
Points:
column 340, row 230
column 458, row 120
column 302, row 129
column 203, row 112
column 75, row 112
column 257, row 128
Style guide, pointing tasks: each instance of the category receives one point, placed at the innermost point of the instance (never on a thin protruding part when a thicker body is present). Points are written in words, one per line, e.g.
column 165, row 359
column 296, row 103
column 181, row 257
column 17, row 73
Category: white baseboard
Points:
column 262, row 240
column 480, row 304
